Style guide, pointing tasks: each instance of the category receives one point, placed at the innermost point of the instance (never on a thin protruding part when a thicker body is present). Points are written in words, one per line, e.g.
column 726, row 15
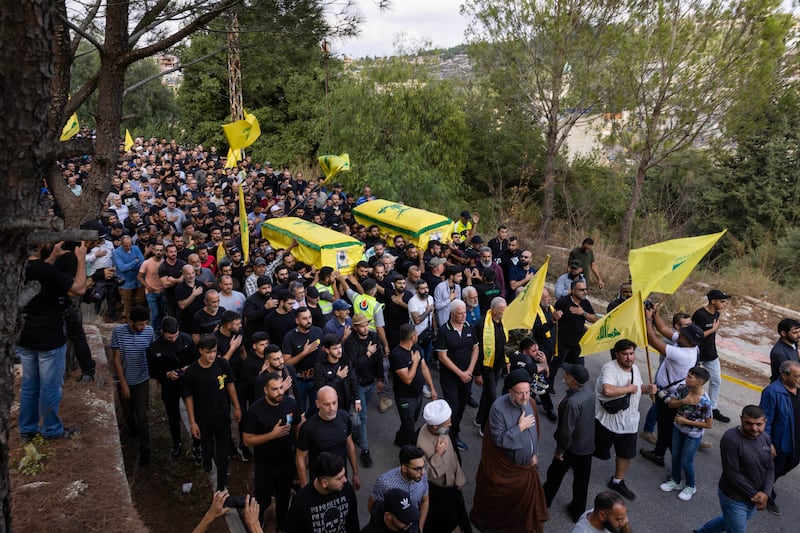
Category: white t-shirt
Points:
column 583, row 525
column 676, row 365
column 626, row 421
column 415, row 305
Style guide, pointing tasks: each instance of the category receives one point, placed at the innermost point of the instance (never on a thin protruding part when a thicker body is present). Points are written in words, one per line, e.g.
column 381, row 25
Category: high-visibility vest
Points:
column 324, row 305
column 368, row 306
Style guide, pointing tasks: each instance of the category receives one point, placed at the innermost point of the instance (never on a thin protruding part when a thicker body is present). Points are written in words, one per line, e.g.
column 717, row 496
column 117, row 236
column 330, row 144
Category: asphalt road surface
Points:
column 652, row 511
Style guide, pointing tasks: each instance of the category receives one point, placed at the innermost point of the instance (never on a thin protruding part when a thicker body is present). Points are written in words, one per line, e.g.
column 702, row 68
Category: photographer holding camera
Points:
column 678, row 359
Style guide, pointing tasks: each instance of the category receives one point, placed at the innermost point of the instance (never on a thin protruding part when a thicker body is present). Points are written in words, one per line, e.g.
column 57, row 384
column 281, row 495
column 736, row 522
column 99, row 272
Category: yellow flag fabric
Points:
column 234, row 156
column 242, row 133
column 128, row 140
column 521, row 312
column 244, row 230
column 333, row 164
column 221, row 252
column 416, row 225
column 316, row 245
column 71, row 128
column 626, row 321
column 663, row 266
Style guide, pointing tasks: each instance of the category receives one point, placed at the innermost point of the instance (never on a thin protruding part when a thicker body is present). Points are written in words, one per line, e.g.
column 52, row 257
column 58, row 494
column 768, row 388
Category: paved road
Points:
column 653, row 510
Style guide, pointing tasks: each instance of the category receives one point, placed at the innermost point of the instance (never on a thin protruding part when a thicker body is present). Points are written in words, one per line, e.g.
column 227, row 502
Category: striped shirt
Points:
column 393, row 479
column 132, row 347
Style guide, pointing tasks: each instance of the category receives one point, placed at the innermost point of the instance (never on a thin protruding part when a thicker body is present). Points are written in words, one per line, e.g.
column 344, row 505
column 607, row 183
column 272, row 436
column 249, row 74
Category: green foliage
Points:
column 406, row 137
column 152, row 106
column 590, row 196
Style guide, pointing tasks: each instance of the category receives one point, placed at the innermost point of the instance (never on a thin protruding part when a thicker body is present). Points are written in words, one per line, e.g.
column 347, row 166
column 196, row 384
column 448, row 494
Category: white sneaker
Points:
column 670, row 485
column 426, row 391
column 687, row 493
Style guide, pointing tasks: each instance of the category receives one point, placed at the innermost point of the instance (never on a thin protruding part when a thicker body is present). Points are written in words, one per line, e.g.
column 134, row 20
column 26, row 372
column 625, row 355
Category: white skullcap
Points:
column 436, row 412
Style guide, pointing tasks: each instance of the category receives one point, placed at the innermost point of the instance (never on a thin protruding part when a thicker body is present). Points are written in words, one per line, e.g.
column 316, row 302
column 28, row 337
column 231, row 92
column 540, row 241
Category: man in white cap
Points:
column 445, row 475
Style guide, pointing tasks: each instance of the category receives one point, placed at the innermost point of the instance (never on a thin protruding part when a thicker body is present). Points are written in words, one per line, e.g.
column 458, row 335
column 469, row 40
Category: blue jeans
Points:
column 40, row 397
column 364, row 394
column 651, row 419
column 733, row 519
column 684, row 448
column 308, row 396
column 156, row 303
column 714, row 380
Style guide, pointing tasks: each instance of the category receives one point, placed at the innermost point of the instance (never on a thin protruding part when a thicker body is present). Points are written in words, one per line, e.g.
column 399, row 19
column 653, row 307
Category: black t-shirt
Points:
column 223, row 345
column 173, row 271
column 401, row 358
column 183, row 291
column 318, row 435
column 163, row 356
column 277, row 326
column 457, row 345
column 499, row 344
column 708, row 346
column 571, row 326
column 312, row 512
column 294, row 342
column 396, row 315
column 44, row 314
column 486, row 293
column 207, row 387
column 202, row 322
column 261, row 418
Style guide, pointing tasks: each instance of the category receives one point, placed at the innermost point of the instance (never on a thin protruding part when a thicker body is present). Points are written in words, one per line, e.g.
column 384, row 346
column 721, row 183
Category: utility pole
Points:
column 235, row 71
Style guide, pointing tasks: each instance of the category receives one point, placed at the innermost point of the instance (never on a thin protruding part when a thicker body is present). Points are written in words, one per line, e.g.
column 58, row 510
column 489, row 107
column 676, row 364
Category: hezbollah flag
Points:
column 333, row 164
column 244, row 230
column 128, row 140
column 626, row 321
column 71, row 128
column 663, row 266
column 521, row 313
column 234, row 156
column 242, row 133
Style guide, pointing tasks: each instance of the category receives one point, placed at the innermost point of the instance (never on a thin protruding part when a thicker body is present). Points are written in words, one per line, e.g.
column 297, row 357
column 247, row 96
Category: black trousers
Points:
column 277, row 480
column 408, row 409
column 215, row 444
column 783, row 465
column 456, row 393
column 134, row 411
column 666, row 416
column 492, row 377
column 581, row 466
column 74, row 327
column 446, row 510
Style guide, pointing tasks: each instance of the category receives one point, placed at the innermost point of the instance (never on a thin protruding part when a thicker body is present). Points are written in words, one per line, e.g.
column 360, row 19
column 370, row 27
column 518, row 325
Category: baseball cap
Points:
column 312, row 292
column 465, row 213
column 693, row 333
column 260, row 262
column 340, row 305
column 399, row 504
column 575, row 263
column 716, row 294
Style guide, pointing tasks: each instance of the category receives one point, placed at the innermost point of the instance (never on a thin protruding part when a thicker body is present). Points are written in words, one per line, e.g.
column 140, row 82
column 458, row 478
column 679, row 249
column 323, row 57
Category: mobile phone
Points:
column 236, row 502
column 289, row 418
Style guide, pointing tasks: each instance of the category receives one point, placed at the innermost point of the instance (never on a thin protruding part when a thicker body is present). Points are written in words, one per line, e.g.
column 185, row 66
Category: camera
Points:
column 236, row 502
column 648, row 304
column 662, row 394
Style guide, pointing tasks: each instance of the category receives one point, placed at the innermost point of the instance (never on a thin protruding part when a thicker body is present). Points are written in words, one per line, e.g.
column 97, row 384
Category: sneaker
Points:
column 28, row 437
column 650, row 455
column 197, row 452
column 462, row 445
column 244, row 453
column 366, row 458
column 68, row 433
column 477, row 424
column 670, row 485
column 85, row 378
column 706, row 445
column 687, row 493
column 177, row 451
column 426, row 391
column 720, row 417
column 622, row 488
column 773, row 508
column 649, row 436
column 480, row 432
column 538, row 388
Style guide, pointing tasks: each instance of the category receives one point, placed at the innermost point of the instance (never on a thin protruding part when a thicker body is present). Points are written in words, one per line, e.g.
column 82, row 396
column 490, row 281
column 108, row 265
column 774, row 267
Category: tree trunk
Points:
column 624, row 238
column 25, row 54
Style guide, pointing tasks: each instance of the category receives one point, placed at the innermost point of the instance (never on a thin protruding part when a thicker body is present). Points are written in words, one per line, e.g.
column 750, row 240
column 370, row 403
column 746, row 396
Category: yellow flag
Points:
column 626, row 321
column 128, row 140
column 521, row 313
column 242, row 133
column 244, row 230
column 71, row 128
column 234, row 156
column 663, row 266
column 333, row 164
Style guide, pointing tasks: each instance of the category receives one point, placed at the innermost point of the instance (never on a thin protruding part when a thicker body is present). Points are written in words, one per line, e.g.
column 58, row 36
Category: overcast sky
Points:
column 436, row 20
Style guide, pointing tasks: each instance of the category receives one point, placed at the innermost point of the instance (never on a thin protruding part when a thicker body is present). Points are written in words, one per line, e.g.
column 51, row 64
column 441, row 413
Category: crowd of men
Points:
column 277, row 361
